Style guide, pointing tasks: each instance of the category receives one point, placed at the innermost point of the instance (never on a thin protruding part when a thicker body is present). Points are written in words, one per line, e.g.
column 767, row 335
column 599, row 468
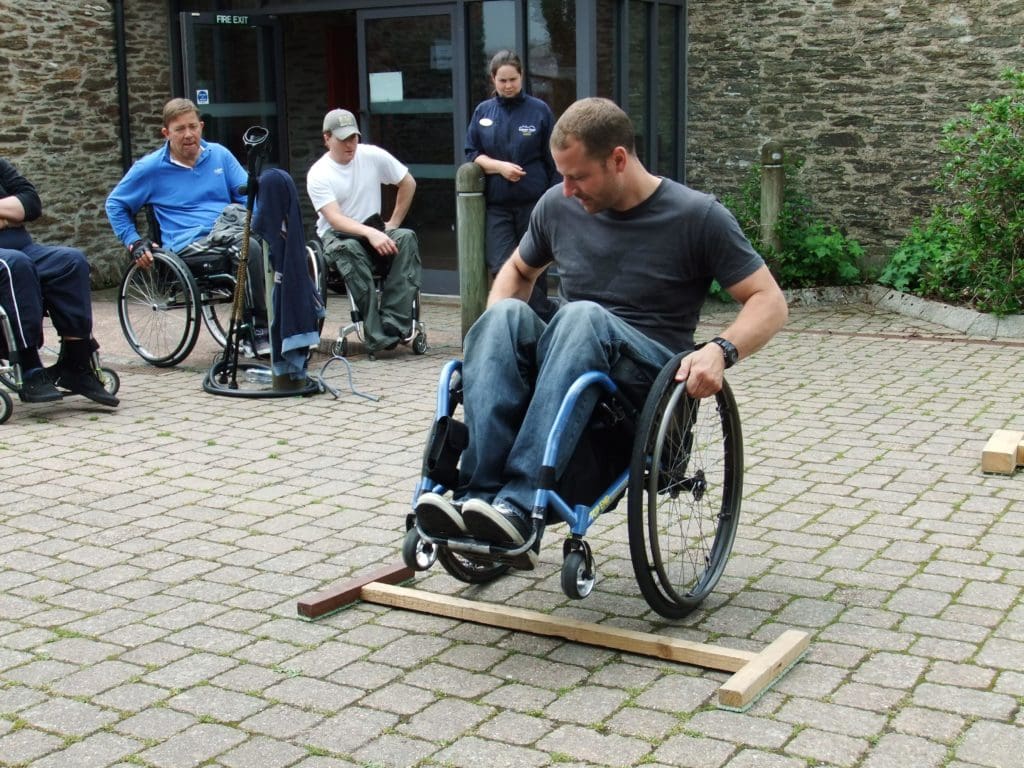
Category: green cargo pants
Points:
column 391, row 322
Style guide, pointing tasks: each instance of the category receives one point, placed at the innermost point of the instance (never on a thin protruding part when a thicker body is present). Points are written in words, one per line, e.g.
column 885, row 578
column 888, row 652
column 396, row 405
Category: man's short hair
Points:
column 598, row 124
column 176, row 108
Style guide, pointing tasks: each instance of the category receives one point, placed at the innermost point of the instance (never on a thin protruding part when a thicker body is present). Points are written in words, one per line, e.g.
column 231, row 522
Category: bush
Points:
column 812, row 253
column 971, row 250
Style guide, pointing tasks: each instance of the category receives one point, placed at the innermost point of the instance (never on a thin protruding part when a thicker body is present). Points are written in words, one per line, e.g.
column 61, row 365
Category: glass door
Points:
column 231, row 65
column 408, row 70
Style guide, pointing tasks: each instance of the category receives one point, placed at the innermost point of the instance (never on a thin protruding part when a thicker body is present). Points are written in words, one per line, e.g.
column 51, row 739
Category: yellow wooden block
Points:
column 1002, row 452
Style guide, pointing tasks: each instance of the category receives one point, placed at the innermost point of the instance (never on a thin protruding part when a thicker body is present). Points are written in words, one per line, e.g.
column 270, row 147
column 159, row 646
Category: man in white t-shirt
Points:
column 344, row 186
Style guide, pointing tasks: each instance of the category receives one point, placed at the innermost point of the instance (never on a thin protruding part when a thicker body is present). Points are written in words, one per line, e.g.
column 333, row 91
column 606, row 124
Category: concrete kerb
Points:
column 967, row 321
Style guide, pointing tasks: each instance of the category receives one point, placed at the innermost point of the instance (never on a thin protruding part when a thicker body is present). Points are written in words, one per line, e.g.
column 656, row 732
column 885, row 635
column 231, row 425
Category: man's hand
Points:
column 381, row 243
column 703, row 371
column 141, row 252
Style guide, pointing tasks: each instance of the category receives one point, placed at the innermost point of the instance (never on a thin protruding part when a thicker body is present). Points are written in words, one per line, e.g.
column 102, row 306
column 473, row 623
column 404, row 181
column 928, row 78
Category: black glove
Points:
column 139, row 247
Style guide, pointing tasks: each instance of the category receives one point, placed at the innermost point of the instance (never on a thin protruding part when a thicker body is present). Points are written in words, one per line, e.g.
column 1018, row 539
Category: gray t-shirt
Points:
column 652, row 265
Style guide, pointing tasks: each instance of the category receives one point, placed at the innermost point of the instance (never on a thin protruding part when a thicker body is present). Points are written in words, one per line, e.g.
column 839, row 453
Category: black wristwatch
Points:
column 729, row 351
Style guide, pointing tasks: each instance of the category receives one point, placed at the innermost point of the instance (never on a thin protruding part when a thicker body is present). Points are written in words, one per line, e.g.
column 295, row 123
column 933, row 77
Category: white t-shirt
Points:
column 355, row 187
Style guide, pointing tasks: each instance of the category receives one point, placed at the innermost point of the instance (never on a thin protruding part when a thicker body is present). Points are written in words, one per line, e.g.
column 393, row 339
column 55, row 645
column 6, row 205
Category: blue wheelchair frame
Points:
column 683, row 484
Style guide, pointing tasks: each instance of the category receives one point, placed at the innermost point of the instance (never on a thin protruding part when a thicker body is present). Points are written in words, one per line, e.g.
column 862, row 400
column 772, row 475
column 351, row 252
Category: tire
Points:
column 6, row 406
column 469, row 570
column 577, row 583
column 685, row 488
column 217, row 300
column 110, row 380
column 159, row 310
column 419, row 343
column 318, row 274
column 417, row 553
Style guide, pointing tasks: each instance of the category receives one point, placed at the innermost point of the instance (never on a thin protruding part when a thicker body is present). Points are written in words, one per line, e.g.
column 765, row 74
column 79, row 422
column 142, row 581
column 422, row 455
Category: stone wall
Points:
column 60, row 123
column 858, row 88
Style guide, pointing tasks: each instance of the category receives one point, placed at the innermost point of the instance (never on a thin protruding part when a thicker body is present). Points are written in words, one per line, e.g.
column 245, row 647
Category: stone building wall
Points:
column 60, row 120
column 859, row 88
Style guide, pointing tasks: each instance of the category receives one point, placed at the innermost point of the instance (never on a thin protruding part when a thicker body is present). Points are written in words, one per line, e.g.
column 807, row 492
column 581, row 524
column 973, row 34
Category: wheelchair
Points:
column 160, row 308
column 11, row 373
column 681, row 472
column 415, row 336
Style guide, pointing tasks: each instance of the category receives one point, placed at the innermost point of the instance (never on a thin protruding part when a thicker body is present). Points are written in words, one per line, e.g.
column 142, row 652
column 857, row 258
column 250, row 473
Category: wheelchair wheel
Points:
column 6, row 406
column 159, row 310
column 685, row 487
column 577, row 576
column 419, row 343
column 216, row 304
column 417, row 553
column 318, row 274
column 468, row 569
column 110, row 380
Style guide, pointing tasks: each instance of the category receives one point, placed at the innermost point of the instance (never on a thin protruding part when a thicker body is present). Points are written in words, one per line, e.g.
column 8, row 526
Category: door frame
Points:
column 188, row 21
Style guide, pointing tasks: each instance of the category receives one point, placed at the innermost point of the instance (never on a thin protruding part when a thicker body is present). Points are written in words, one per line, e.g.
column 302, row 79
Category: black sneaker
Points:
column 500, row 524
column 83, row 381
column 36, row 387
column 439, row 517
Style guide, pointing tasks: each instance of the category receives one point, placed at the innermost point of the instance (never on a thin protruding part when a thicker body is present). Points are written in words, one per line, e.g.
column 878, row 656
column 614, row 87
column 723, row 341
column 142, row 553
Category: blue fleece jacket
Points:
column 516, row 129
column 186, row 201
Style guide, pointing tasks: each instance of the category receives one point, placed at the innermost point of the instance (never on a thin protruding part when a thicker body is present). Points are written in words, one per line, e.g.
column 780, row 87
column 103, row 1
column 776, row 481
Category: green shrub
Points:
column 971, row 251
column 812, row 252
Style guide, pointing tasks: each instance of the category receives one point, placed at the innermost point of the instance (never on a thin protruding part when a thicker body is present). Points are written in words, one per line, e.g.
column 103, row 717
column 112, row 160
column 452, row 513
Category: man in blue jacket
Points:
column 187, row 182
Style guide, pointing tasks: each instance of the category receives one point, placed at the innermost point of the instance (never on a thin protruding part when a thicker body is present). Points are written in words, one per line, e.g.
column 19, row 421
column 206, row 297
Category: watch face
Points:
column 728, row 350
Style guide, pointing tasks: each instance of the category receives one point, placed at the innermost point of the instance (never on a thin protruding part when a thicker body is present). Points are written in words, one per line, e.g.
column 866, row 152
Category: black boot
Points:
column 36, row 387
column 75, row 373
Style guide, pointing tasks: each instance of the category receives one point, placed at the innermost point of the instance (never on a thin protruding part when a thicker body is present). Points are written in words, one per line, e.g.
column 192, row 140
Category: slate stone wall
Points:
column 859, row 89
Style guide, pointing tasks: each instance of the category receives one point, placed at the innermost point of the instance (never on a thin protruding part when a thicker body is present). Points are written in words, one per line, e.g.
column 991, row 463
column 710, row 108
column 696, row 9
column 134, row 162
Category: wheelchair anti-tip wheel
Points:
column 159, row 311
column 685, row 488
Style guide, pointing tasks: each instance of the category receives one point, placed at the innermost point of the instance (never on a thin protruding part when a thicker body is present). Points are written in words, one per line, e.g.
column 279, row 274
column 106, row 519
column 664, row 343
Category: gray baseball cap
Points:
column 341, row 123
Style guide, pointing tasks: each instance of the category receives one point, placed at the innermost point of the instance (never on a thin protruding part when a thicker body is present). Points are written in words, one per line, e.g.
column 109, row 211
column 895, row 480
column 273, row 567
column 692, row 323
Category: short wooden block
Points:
column 1002, row 452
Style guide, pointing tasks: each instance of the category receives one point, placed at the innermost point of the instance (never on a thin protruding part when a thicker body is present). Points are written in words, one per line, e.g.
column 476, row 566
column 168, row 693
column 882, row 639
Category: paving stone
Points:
column 472, row 752
column 27, row 744
column 262, row 752
column 990, row 744
column 691, row 752
column 347, row 732
column 96, row 751
column 445, row 720
column 896, row 749
column 68, row 717
column 209, row 702
column 193, row 747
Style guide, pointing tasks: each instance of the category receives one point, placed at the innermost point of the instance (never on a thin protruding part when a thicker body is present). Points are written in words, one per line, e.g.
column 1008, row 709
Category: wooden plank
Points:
column 338, row 597
column 740, row 689
column 1020, row 454
column 510, row 617
column 1001, row 452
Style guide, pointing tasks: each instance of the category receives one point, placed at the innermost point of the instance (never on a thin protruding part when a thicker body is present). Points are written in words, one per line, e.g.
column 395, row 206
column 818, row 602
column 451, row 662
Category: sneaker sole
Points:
column 490, row 525
column 435, row 520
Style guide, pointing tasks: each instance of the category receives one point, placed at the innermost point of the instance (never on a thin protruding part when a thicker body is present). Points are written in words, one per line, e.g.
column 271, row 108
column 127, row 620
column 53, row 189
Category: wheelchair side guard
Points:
column 447, row 440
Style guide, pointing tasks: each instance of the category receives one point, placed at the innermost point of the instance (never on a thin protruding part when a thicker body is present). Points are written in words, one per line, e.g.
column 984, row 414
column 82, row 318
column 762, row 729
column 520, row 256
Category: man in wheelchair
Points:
column 344, row 186
column 636, row 254
column 35, row 278
column 189, row 184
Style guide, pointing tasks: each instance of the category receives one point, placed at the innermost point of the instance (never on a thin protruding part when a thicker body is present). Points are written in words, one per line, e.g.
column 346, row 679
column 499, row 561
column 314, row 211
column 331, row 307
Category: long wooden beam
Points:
column 752, row 672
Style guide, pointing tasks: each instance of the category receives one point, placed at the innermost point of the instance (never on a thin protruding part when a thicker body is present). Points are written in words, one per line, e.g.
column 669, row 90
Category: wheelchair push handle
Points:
column 257, row 140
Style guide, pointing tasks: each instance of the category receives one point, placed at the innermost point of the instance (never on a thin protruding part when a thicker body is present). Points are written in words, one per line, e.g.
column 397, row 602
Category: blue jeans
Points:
column 516, row 372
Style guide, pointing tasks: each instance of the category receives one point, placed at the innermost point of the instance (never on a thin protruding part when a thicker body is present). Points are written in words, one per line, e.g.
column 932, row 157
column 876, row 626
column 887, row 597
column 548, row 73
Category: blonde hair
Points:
column 176, row 108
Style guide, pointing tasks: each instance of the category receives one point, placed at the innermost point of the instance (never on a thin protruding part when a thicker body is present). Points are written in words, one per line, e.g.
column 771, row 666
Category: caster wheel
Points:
column 6, row 407
column 111, row 381
column 340, row 348
column 419, row 344
column 417, row 553
column 577, row 579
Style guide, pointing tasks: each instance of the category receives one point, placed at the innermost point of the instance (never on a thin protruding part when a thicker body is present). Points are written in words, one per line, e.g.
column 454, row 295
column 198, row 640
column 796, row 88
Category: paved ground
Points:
column 151, row 559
